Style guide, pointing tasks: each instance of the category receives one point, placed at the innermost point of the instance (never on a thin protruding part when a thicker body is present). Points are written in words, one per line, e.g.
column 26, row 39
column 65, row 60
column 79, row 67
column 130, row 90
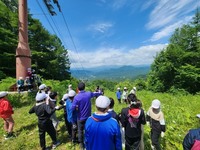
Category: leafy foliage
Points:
column 178, row 66
column 49, row 57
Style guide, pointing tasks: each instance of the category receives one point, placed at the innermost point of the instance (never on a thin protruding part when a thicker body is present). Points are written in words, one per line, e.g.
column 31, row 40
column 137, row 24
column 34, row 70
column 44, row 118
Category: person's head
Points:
column 125, row 88
column 81, row 86
column 112, row 103
column 40, row 97
column 20, row 78
column 118, row 88
column 102, row 104
column 3, row 94
column 48, row 89
column 132, row 100
column 42, row 87
column 71, row 94
column 53, row 95
column 155, row 104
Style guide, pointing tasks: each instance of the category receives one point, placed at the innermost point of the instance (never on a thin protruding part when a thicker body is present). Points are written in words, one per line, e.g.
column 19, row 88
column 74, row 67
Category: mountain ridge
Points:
column 111, row 72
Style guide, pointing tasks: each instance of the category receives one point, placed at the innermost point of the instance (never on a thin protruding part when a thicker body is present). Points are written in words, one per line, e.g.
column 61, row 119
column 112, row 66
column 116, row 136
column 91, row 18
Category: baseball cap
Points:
column 155, row 104
column 102, row 102
column 40, row 96
column 71, row 93
column 42, row 87
column 3, row 94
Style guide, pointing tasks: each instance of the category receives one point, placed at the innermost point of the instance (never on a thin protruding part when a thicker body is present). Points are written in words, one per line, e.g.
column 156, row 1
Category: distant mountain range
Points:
column 111, row 72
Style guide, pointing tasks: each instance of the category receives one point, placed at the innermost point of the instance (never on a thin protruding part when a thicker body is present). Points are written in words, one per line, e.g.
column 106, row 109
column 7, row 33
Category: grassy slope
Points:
column 180, row 112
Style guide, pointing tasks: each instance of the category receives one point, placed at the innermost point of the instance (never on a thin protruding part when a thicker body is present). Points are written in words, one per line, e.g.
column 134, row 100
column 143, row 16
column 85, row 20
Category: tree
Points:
column 178, row 65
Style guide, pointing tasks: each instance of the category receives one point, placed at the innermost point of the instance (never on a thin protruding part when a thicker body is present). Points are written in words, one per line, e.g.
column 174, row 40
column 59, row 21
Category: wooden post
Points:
column 23, row 53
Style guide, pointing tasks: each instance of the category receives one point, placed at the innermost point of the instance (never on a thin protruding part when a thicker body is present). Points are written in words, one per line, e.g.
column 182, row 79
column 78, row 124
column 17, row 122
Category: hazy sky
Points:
column 114, row 32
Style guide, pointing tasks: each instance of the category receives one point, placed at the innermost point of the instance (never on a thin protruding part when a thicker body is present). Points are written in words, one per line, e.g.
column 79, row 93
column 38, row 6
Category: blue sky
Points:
column 114, row 32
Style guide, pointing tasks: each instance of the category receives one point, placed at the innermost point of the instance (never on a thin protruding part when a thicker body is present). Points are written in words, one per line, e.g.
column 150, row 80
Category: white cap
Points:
column 42, row 87
column 20, row 77
column 40, row 96
column 155, row 104
column 102, row 102
column 125, row 88
column 118, row 88
column 71, row 93
column 134, row 88
column 3, row 94
column 70, row 86
column 65, row 96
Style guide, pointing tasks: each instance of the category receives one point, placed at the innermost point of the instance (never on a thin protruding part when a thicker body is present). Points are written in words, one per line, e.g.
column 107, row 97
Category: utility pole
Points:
column 23, row 53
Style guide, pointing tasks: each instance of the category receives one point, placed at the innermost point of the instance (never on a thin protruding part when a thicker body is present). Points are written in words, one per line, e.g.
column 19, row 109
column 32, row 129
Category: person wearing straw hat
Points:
column 6, row 112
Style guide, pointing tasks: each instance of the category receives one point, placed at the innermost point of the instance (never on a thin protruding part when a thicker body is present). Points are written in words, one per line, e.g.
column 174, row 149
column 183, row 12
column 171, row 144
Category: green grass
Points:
column 179, row 110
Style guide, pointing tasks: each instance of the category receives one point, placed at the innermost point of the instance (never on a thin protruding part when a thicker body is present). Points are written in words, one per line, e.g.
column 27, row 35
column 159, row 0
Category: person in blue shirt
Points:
column 71, row 115
column 102, row 132
column 118, row 94
column 82, row 103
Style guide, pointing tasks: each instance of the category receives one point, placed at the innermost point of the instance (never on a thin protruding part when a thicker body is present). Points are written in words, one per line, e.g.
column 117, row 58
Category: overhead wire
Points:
column 54, row 30
column 73, row 42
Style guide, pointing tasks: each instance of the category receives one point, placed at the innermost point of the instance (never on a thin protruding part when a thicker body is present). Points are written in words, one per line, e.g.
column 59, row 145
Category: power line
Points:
column 53, row 28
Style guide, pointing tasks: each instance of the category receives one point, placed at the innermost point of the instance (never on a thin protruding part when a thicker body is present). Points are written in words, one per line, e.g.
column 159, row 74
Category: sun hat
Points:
column 42, row 87
column 155, row 104
column 102, row 102
column 40, row 96
column 3, row 94
column 71, row 93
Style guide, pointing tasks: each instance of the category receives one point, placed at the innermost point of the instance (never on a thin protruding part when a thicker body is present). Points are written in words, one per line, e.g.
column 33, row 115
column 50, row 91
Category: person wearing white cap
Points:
column 71, row 116
column 125, row 94
column 6, row 112
column 118, row 94
column 63, row 103
column 102, row 132
column 44, row 112
column 155, row 118
column 133, row 91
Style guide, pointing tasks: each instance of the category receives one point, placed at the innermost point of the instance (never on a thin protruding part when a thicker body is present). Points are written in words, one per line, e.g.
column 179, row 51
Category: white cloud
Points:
column 168, row 30
column 100, row 27
column 168, row 11
column 119, row 4
column 143, row 55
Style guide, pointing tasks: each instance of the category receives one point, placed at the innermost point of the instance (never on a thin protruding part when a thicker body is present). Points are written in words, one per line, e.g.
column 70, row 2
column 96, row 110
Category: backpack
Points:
column 196, row 145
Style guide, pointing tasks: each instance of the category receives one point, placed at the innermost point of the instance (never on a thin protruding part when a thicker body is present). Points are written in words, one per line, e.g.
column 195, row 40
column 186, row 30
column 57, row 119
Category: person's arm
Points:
column 74, row 104
column 49, row 110
column 32, row 110
column 123, row 118
column 187, row 142
column 143, row 119
column 95, row 94
column 162, row 123
column 118, row 139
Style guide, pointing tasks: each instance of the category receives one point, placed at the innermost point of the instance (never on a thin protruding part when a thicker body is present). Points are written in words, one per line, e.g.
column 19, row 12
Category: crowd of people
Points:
column 31, row 80
column 103, row 129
